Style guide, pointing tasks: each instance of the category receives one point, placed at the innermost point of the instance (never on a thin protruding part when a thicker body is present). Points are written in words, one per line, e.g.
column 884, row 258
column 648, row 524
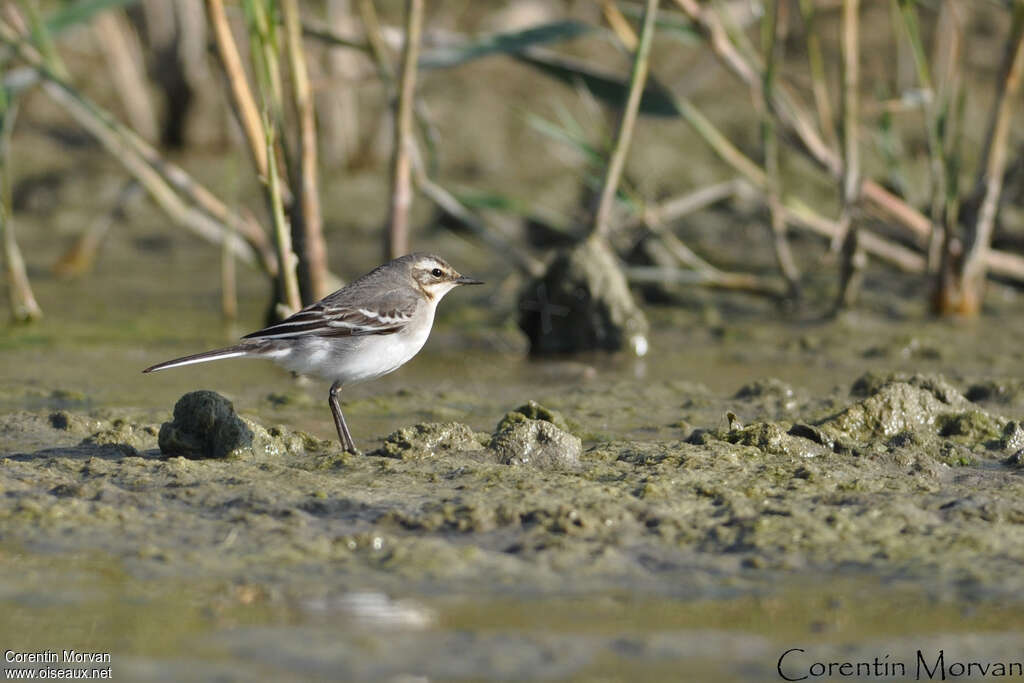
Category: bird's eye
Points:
column 437, row 272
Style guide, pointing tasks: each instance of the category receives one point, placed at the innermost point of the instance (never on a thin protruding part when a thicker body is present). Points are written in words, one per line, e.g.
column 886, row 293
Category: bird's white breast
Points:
column 359, row 358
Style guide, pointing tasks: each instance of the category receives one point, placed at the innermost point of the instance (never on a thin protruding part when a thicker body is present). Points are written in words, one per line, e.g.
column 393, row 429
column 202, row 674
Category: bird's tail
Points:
column 216, row 354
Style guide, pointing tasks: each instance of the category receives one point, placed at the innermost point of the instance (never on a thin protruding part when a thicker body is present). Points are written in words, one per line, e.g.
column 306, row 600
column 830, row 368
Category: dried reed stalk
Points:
column 228, row 285
column 397, row 239
column 713, row 279
column 947, row 50
column 770, row 141
column 816, row 63
column 936, row 109
column 617, row 162
column 24, row 307
column 339, row 120
column 126, row 65
column 962, row 291
column 79, row 258
column 449, row 203
column 673, row 209
column 431, row 189
column 879, row 200
column 799, row 214
column 158, row 176
column 619, row 24
column 288, row 279
column 853, row 260
column 308, row 237
column 241, row 94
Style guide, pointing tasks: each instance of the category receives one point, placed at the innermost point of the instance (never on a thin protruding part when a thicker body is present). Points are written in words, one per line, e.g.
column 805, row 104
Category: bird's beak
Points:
column 463, row 280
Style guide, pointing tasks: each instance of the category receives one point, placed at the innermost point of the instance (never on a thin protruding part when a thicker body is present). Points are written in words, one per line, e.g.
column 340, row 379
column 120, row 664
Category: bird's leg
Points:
column 345, row 436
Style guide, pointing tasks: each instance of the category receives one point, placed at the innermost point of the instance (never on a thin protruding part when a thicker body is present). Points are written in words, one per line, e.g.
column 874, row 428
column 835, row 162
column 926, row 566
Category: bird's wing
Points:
column 387, row 313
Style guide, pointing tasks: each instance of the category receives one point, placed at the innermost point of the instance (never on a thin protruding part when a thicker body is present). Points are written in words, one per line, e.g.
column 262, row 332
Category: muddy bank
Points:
column 905, row 478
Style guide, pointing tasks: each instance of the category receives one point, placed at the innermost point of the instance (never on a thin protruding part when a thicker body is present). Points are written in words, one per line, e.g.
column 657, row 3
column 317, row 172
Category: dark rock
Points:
column 582, row 303
column 205, row 425
column 59, row 420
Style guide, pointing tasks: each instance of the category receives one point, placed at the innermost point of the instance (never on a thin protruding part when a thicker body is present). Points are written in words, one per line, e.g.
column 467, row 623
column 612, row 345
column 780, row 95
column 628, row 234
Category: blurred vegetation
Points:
column 888, row 129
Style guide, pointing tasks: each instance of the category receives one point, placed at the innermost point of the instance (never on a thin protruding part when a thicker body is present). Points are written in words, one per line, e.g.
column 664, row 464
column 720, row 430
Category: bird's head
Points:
column 435, row 277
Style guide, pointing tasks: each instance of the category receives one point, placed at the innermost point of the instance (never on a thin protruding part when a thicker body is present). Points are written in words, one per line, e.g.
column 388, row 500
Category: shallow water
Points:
column 171, row 630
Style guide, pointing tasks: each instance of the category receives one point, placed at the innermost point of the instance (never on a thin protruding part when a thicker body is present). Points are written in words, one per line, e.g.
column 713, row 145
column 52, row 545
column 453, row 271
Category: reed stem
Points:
column 289, row 282
column 308, row 237
column 853, row 260
column 602, row 219
column 161, row 178
column 992, row 167
column 24, row 307
column 770, row 141
column 397, row 239
column 241, row 94
column 819, row 81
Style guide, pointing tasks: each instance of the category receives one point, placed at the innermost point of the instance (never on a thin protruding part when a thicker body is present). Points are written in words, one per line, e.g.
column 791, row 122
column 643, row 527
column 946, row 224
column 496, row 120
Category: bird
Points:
column 368, row 328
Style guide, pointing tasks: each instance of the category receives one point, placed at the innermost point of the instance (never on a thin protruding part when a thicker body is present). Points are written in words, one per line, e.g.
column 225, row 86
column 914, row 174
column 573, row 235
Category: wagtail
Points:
column 368, row 328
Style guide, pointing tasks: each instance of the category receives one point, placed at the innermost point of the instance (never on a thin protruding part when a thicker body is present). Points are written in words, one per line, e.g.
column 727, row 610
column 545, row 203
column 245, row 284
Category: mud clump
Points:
column 529, row 435
column 772, row 438
column 537, row 443
column 914, row 411
column 871, row 383
column 1012, row 439
column 890, row 409
column 582, row 303
column 205, row 426
column 1007, row 392
column 71, row 422
column 428, row 440
column 972, row 426
column 121, row 434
